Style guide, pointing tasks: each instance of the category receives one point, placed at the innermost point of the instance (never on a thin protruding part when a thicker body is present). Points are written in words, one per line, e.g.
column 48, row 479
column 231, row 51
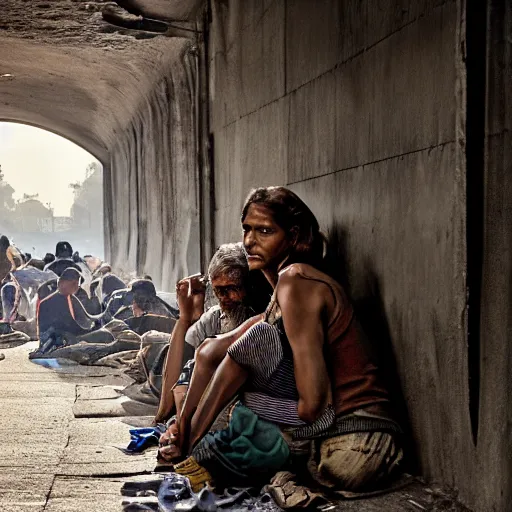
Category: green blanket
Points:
column 248, row 449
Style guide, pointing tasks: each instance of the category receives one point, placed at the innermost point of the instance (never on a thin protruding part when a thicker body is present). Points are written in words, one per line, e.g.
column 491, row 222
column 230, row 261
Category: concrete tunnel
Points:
column 391, row 119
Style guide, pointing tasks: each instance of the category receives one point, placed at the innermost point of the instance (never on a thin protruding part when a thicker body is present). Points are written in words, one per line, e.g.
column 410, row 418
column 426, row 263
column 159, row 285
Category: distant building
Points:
column 62, row 224
column 31, row 216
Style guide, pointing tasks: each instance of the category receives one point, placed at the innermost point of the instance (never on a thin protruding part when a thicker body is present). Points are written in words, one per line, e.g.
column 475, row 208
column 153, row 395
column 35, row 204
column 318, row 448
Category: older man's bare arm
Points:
column 190, row 296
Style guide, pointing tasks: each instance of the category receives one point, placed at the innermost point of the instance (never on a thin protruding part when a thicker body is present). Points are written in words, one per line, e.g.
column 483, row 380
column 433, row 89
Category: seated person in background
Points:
column 5, row 259
column 48, row 258
column 92, row 262
column 10, row 260
column 93, row 306
column 231, row 283
column 63, row 259
column 117, row 298
column 19, row 293
column 307, row 371
column 149, row 312
column 10, row 257
column 108, row 285
column 36, row 263
column 61, row 317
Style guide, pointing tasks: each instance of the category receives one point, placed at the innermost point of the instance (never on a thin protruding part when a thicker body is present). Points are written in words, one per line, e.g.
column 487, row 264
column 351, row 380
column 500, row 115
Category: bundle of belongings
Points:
column 9, row 338
column 174, row 493
column 112, row 338
column 147, row 368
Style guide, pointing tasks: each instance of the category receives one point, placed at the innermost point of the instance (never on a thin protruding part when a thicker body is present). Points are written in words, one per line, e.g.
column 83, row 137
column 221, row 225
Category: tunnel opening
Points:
column 51, row 190
column 476, row 67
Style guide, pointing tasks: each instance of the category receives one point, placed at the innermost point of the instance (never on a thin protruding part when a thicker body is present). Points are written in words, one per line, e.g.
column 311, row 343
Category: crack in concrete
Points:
column 366, row 164
column 61, row 458
column 332, row 69
column 47, row 497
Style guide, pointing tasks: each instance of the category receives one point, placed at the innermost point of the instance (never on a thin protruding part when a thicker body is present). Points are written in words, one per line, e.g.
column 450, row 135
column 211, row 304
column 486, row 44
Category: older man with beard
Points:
column 228, row 274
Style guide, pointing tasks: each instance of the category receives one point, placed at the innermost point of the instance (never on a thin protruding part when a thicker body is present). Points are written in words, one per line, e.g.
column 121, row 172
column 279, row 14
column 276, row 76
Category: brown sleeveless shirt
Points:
column 354, row 374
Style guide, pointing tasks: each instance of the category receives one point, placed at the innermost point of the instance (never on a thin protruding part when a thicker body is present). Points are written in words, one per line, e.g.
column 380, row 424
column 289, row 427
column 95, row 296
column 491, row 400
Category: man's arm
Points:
column 190, row 296
column 172, row 369
column 303, row 304
column 80, row 315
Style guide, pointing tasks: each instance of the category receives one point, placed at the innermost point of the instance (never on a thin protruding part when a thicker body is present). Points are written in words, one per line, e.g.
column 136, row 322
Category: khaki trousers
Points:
column 355, row 462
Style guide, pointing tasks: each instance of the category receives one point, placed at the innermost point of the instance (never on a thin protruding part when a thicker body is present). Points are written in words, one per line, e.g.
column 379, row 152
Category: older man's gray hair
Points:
column 229, row 260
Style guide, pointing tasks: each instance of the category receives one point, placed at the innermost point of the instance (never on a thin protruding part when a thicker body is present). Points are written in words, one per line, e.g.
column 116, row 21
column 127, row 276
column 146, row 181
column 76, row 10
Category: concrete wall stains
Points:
column 495, row 415
column 360, row 108
column 153, row 185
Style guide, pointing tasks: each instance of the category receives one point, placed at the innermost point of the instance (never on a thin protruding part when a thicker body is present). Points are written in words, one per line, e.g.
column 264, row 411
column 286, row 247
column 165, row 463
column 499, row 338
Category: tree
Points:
column 87, row 209
column 93, row 167
column 6, row 192
column 7, row 203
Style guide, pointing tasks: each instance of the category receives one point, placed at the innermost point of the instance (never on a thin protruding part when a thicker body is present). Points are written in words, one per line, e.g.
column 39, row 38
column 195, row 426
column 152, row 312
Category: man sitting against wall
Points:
column 231, row 283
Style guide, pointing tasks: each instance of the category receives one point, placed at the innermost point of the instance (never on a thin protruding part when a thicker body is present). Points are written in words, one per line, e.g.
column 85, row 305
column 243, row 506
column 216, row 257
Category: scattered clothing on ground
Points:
column 143, row 438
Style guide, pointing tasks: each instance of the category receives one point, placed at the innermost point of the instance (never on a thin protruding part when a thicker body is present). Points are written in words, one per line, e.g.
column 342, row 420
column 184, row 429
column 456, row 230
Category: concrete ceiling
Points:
column 64, row 69
column 164, row 9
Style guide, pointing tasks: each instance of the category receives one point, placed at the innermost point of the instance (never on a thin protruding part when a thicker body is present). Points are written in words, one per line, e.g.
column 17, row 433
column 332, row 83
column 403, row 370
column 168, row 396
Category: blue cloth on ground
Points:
column 143, row 438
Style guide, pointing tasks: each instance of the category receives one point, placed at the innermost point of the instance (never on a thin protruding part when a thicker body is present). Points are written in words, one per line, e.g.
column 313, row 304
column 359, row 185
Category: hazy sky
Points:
column 35, row 161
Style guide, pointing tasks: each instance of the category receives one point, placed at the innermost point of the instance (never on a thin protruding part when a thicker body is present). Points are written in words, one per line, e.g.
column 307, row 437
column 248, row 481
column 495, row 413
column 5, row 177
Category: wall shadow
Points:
column 370, row 311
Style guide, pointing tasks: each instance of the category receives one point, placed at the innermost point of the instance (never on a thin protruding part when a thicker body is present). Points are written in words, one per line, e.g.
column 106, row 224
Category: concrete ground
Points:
column 59, row 437
column 60, row 430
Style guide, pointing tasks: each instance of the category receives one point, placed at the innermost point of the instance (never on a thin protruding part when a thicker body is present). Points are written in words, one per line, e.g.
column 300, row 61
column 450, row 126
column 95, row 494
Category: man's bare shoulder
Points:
column 294, row 285
column 293, row 278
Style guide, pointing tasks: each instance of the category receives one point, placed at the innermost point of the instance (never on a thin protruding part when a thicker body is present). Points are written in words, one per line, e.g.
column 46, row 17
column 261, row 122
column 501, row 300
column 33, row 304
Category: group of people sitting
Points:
column 65, row 299
column 277, row 377
column 284, row 384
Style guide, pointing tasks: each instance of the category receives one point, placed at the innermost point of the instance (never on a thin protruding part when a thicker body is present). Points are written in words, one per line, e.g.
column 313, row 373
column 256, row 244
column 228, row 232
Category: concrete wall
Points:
column 151, row 187
column 495, row 415
column 360, row 107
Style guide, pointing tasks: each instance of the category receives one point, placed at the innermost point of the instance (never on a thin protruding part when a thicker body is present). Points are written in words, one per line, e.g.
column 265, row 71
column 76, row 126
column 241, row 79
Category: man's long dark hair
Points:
column 292, row 214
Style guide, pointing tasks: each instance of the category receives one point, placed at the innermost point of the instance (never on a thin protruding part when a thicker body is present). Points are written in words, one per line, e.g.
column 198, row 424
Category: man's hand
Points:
column 170, row 436
column 169, row 444
column 159, row 418
column 190, row 293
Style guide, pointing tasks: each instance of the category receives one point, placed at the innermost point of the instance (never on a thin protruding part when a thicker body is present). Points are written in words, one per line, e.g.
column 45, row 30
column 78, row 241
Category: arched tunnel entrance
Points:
column 52, row 191
column 390, row 119
column 130, row 99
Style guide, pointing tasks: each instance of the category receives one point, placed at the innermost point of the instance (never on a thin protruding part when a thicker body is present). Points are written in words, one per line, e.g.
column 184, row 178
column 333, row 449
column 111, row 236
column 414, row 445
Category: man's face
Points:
column 229, row 291
column 265, row 242
column 67, row 287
